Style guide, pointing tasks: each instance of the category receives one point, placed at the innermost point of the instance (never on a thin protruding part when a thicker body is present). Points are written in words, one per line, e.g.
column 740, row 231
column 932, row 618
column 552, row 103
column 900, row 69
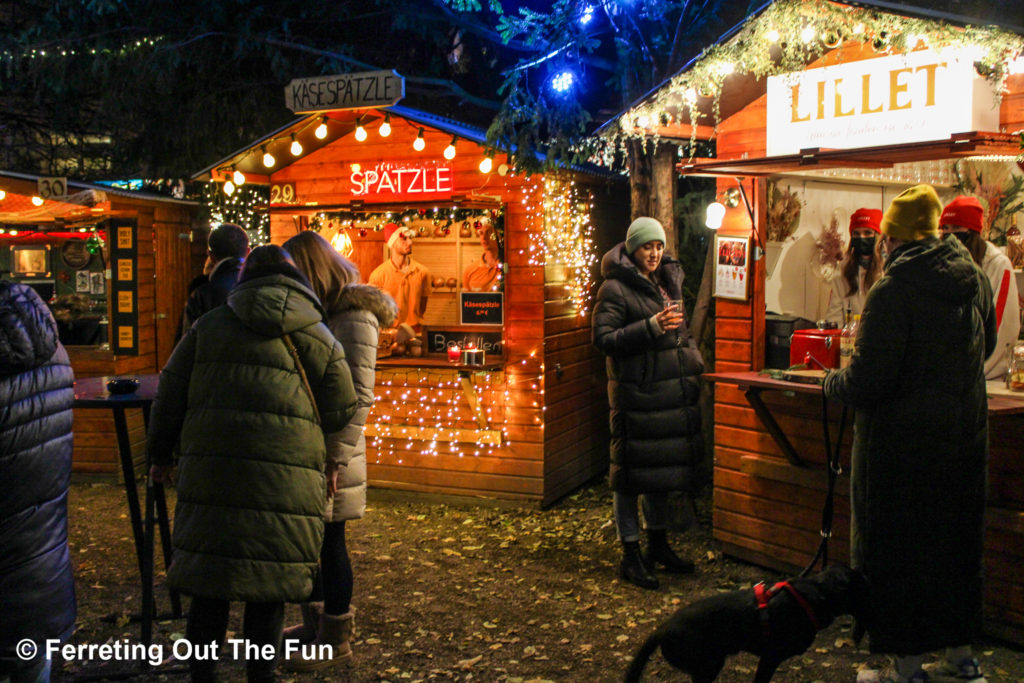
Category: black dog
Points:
column 774, row 623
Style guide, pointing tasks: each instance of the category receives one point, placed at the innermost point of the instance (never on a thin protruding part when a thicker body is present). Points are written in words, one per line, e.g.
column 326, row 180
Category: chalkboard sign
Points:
column 480, row 308
column 439, row 339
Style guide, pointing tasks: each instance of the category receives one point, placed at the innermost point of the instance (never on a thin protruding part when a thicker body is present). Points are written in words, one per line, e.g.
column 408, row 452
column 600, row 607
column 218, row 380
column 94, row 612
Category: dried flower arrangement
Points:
column 998, row 188
column 830, row 250
column 784, row 207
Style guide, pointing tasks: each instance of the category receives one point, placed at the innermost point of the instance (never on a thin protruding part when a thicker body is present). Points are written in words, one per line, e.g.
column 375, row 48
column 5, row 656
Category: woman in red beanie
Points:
column 860, row 267
column 962, row 218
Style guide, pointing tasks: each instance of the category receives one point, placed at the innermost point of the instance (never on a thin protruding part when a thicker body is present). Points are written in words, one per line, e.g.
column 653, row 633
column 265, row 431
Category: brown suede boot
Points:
column 306, row 631
column 332, row 644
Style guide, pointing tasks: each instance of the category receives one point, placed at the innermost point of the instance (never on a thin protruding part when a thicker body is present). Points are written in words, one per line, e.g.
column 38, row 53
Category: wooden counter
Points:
column 768, row 511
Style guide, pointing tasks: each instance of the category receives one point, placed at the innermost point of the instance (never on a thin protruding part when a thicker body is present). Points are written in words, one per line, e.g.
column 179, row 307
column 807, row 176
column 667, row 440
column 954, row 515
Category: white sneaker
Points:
column 945, row 671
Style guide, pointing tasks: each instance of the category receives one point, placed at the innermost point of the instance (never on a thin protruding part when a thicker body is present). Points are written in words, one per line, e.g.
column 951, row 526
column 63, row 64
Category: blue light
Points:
column 563, row 81
column 586, row 15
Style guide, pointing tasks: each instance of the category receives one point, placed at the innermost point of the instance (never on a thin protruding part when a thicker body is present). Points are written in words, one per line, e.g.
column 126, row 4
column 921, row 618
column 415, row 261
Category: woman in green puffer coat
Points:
column 250, row 392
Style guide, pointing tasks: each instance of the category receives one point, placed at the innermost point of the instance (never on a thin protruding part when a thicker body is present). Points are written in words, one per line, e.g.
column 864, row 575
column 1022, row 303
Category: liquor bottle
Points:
column 846, row 339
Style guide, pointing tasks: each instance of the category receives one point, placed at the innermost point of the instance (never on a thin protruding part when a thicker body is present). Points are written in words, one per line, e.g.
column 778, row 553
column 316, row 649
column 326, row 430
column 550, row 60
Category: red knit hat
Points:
column 866, row 218
column 392, row 233
column 964, row 212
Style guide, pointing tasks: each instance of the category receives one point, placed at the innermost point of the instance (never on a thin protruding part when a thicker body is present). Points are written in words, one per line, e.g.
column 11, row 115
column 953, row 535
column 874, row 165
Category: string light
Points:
column 321, row 130
column 296, row 146
column 238, row 177
column 37, row 201
column 360, row 132
column 449, row 151
column 486, row 164
column 385, row 128
column 268, row 158
column 419, row 143
column 229, row 187
column 3, row 195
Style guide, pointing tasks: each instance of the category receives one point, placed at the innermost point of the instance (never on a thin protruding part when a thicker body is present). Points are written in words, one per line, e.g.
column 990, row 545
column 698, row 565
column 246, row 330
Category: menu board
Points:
column 124, row 256
column 732, row 270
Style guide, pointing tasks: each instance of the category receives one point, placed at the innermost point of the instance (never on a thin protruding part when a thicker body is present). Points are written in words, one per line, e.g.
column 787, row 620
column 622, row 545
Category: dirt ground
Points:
column 457, row 592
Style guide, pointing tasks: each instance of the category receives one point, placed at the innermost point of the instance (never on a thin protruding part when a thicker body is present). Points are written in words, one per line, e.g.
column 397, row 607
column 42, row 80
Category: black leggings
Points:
column 208, row 623
column 336, row 570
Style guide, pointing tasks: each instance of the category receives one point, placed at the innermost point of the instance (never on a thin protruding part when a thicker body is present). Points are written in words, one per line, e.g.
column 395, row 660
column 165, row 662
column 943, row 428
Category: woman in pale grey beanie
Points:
column 654, row 372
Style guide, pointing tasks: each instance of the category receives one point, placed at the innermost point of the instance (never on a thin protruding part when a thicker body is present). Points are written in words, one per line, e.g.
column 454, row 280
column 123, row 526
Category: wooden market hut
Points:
column 801, row 132
column 531, row 422
column 92, row 252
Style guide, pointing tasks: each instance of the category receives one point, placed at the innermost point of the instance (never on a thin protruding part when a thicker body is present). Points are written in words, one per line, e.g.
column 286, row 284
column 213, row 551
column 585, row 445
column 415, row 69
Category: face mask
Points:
column 962, row 236
column 863, row 246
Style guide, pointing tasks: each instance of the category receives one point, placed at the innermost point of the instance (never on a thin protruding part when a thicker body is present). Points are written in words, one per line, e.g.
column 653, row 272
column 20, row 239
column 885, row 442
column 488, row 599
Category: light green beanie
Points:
column 641, row 231
column 913, row 215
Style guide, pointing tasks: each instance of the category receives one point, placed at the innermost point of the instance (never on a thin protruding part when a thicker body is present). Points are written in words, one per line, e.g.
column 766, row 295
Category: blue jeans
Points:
column 627, row 515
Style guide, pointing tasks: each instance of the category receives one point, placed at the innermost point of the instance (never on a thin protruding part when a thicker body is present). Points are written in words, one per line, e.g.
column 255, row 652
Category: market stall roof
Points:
column 739, row 89
column 960, row 145
column 82, row 201
column 339, row 123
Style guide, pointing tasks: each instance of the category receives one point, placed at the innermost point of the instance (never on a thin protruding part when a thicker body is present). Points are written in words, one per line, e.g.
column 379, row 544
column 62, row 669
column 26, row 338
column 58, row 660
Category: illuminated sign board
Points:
column 920, row 96
column 408, row 181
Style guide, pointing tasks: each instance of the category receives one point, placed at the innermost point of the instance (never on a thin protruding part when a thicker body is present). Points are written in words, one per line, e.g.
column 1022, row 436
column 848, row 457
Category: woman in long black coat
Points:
column 653, row 390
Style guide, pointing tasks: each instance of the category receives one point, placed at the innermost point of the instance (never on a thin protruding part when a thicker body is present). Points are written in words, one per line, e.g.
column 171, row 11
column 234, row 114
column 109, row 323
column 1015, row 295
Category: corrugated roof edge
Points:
column 891, row 7
column 85, row 185
column 444, row 124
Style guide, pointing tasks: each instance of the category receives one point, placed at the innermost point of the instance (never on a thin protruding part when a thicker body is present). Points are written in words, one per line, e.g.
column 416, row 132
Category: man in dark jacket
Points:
column 228, row 246
column 920, row 444
column 37, row 590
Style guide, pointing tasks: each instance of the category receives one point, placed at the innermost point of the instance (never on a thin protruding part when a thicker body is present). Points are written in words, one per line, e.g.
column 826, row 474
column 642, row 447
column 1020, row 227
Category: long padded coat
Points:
column 653, row 379
column 920, row 446
column 249, row 518
column 355, row 321
column 37, row 591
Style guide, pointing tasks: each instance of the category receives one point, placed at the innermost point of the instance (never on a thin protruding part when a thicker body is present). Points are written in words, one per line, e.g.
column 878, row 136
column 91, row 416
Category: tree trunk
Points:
column 652, row 184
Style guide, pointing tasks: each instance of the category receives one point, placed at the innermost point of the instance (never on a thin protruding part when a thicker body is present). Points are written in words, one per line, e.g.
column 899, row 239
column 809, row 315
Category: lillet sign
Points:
column 917, row 97
column 363, row 90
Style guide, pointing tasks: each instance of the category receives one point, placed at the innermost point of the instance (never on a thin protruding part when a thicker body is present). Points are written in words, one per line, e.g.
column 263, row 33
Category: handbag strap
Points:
column 302, row 373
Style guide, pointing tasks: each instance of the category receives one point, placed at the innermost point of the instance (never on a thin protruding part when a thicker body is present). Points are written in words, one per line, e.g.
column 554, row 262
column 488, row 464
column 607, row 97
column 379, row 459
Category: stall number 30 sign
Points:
column 51, row 188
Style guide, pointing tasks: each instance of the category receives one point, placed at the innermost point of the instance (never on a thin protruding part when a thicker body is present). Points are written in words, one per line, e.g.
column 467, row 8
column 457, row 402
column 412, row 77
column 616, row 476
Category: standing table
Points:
column 91, row 392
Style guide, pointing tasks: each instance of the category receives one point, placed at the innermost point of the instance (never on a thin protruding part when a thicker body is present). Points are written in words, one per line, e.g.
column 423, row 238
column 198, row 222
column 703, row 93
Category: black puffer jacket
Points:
column 653, row 379
column 920, row 446
column 212, row 293
column 37, row 592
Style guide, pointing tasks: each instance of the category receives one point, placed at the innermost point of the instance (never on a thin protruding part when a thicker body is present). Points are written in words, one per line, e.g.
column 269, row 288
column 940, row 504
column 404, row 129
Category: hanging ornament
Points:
column 93, row 244
column 422, row 212
column 881, row 41
column 362, row 232
column 831, row 39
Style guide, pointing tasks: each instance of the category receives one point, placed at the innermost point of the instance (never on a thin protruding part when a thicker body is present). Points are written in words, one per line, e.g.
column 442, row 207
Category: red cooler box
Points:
column 815, row 348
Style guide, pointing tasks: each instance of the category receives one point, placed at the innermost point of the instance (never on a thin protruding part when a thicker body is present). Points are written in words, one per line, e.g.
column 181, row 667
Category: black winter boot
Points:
column 633, row 569
column 659, row 552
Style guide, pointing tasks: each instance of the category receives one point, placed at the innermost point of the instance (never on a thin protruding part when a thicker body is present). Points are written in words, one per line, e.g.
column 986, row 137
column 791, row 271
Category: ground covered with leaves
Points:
column 466, row 592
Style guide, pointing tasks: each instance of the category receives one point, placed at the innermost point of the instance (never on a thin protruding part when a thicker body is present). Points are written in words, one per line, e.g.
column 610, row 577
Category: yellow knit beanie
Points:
column 913, row 215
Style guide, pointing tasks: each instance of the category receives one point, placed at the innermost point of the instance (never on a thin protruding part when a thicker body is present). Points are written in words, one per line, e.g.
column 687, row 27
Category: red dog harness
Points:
column 763, row 594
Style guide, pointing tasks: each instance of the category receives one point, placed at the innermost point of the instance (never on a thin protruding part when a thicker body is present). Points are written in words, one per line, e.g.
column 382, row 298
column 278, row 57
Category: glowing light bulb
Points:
column 715, row 214
column 419, row 143
column 38, row 201
column 229, row 188
column 356, row 168
column 385, row 128
column 808, row 34
column 772, row 36
column 3, row 195
column 268, row 159
column 238, row 177
column 449, row 151
column 486, row 164
column 321, row 130
column 296, row 147
column 360, row 133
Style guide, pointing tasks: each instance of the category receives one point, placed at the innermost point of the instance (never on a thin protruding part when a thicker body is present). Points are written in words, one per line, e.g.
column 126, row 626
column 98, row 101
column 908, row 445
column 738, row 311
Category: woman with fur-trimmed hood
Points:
column 355, row 314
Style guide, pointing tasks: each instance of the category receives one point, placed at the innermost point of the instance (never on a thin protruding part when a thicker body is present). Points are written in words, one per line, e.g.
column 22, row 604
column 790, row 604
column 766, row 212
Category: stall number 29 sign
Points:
column 51, row 188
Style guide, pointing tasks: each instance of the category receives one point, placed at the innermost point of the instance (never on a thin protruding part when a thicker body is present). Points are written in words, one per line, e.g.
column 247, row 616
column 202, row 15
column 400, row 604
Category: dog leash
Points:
column 834, row 470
